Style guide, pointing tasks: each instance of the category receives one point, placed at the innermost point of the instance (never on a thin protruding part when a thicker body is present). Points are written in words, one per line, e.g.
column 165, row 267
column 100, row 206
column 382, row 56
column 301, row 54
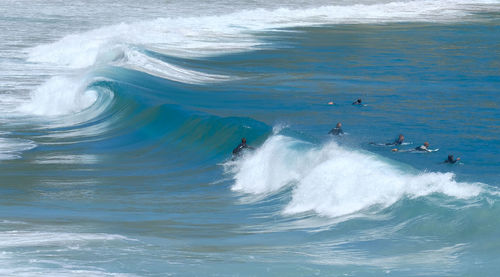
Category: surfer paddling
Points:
column 397, row 142
column 423, row 148
column 450, row 159
column 337, row 130
column 357, row 102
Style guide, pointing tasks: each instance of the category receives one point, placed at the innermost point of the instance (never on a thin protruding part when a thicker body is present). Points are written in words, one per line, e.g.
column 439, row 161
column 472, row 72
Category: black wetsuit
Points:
column 395, row 143
column 450, row 160
column 336, row 131
column 239, row 148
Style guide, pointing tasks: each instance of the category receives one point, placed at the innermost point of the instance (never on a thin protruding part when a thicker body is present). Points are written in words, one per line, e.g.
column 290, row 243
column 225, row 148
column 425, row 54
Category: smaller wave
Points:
column 334, row 181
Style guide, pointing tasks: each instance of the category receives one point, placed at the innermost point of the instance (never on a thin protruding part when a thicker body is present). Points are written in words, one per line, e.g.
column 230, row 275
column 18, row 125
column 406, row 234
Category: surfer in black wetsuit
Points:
column 398, row 141
column 337, row 130
column 357, row 102
column 424, row 147
column 243, row 145
column 450, row 160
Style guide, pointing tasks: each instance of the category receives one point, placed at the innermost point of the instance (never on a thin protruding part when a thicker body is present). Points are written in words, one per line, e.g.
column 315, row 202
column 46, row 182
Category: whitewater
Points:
column 117, row 122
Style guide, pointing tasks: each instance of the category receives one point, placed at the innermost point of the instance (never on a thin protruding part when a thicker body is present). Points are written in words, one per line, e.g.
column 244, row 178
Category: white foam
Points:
column 144, row 63
column 209, row 35
column 31, row 253
column 60, row 95
column 29, row 271
column 11, row 148
column 333, row 181
column 29, row 238
column 67, row 159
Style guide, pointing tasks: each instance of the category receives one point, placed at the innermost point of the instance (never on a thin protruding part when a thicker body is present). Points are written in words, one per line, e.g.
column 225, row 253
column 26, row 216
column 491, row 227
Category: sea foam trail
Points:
column 26, row 238
column 37, row 247
column 334, row 181
column 11, row 148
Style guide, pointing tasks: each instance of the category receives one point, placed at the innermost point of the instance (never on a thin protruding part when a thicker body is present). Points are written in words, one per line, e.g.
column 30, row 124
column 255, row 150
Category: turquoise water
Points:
column 118, row 119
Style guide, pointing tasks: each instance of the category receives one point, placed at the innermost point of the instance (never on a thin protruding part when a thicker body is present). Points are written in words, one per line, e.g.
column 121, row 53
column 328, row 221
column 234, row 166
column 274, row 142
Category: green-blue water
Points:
column 117, row 122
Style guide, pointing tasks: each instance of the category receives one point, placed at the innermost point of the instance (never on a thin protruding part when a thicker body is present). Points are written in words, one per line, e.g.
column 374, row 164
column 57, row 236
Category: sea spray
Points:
column 333, row 181
column 60, row 95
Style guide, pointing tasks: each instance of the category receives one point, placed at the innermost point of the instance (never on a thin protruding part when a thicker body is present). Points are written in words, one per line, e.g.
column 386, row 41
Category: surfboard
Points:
column 415, row 151
column 389, row 144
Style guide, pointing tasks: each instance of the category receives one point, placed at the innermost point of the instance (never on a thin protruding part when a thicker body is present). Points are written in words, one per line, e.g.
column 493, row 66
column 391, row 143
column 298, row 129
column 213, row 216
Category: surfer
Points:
column 337, row 130
column 398, row 141
column 450, row 160
column 357, row 102
column 243, row 145
column 424, row 147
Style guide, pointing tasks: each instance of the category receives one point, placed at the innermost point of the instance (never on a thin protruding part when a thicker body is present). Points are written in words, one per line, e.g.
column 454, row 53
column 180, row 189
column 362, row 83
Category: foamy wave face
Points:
column 178, row 37
column 60, row 95
column 144, row 63
column 334, row 181
column 209, row 35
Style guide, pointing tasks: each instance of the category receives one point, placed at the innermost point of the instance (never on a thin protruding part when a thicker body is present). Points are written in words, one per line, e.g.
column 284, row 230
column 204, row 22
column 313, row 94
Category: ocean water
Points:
column 118, row 118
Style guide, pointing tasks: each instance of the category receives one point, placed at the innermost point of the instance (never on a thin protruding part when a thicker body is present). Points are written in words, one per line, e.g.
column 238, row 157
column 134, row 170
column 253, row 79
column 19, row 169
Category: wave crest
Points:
column 333, row 181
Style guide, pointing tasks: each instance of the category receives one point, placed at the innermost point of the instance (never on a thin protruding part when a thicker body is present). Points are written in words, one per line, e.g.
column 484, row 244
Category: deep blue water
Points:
column 116, row 140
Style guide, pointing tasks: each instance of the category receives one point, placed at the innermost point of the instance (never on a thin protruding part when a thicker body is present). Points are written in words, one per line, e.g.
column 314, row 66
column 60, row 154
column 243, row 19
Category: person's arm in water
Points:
column 422, row 148
column 450, row 160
